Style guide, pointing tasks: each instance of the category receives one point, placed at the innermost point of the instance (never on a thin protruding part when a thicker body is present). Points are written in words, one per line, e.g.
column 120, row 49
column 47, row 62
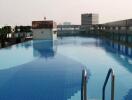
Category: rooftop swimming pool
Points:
column 51, row 70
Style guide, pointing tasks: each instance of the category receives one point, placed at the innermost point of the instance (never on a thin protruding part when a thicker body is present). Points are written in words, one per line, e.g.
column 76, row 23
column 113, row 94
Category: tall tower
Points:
column 89, row 19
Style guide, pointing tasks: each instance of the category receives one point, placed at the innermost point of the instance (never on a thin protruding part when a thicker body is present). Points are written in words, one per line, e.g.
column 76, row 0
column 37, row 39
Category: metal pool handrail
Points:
column 110, row 72
column 84, row 85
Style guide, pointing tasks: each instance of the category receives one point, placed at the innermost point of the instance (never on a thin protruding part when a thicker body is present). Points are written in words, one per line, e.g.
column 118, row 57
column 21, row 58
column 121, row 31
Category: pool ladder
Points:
column 110, row 73
column 84, row 85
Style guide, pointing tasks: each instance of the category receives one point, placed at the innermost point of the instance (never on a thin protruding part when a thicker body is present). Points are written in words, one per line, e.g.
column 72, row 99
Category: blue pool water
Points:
column 51, row 70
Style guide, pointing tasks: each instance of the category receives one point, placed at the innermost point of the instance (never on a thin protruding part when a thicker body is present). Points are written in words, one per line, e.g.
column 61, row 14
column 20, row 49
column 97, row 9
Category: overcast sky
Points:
column 22, row 12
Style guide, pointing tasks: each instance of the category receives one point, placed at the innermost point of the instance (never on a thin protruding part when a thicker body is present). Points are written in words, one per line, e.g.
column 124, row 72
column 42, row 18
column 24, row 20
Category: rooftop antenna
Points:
column 44, row 18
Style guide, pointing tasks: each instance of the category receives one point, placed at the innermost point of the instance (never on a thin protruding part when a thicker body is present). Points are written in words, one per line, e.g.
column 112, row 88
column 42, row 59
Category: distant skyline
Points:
column 23, row 12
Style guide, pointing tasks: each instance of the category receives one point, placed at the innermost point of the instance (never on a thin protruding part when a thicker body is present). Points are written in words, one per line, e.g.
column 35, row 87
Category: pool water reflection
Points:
column 48, row 77
column 51, row 70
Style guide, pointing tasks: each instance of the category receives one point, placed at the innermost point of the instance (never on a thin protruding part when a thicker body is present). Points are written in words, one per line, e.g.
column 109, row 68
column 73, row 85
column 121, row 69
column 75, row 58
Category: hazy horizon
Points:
column 23, row 12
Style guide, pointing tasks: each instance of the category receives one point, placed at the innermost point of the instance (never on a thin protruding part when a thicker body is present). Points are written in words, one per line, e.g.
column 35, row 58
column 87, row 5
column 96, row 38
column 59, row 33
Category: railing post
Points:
column 82, row 98
column 112, row 87
column 110, row 73
column 84, row 85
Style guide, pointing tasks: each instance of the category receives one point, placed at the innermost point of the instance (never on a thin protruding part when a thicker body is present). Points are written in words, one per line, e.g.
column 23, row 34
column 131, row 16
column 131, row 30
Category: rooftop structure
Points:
column 46, row 29
column 89, row 19
column 126, row 22
column 43, row 24
column 67, row 23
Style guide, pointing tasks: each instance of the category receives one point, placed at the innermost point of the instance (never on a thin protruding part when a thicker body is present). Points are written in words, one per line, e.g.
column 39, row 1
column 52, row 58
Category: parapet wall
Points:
column 127, row 22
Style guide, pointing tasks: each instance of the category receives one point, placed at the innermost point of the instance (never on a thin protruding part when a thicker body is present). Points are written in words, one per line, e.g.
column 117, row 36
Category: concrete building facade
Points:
column 89, row 19
column 67, row 23
column 46, row 30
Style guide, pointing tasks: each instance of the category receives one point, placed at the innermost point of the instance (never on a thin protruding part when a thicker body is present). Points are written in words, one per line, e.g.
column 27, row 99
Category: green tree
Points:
column 6, row 30
column 3, row 34
column 25, row 28
column 16, row 29
column 28, row 29
column 0, row 34
column 0, row 31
